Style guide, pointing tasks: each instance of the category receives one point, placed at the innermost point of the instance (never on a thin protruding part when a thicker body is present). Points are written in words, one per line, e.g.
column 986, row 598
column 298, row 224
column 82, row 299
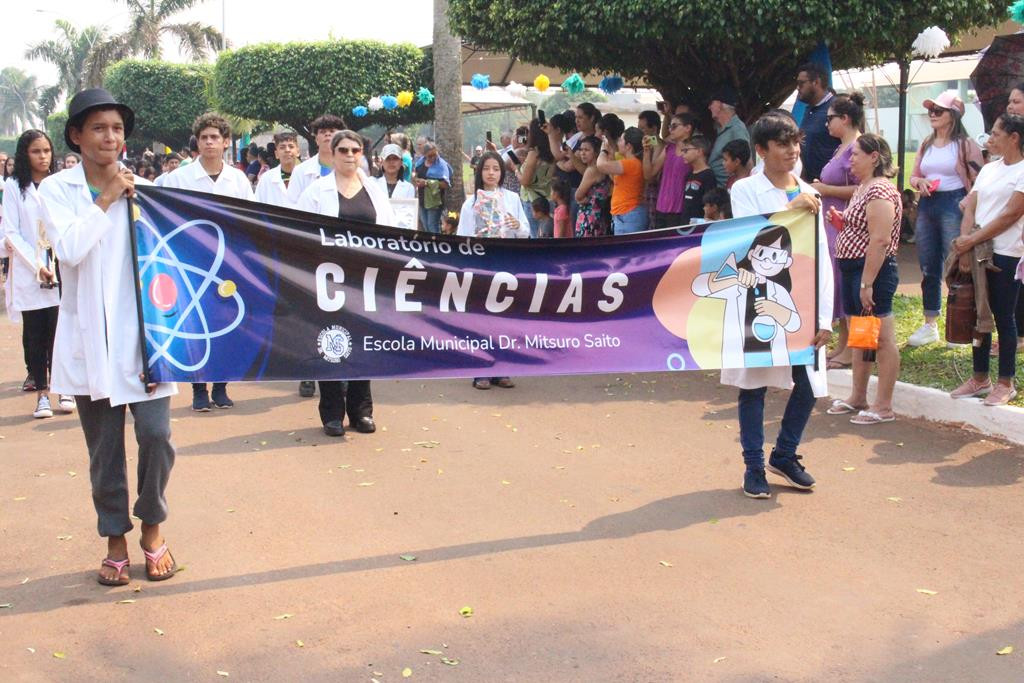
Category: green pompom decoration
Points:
column 1017, row 11
column 425, row 96
column 574, row 84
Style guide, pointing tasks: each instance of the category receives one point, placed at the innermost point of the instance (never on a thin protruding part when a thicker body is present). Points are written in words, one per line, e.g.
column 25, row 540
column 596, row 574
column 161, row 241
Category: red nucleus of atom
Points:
column 163, row 292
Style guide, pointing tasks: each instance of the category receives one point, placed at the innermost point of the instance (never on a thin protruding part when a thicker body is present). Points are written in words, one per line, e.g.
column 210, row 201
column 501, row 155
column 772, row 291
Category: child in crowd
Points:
column 909, row 219
column 716, row 204
column 560, row 198
column 736, row 159
column 450, row 223
column 701, row 178
column 542, row 216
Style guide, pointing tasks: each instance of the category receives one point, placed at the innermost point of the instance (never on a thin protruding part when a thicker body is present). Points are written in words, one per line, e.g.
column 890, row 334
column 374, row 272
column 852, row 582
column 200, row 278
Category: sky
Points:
column 244, row 21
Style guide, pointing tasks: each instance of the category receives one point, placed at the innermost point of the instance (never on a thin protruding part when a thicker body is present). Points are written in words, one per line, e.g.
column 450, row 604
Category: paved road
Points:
column 594, row 525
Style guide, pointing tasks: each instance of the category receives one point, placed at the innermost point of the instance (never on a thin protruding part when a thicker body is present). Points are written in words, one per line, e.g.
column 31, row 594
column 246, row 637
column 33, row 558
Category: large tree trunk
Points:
column 448, row 100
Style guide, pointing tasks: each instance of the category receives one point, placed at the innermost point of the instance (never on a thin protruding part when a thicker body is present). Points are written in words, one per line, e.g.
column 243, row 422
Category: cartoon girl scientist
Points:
column 758, row 307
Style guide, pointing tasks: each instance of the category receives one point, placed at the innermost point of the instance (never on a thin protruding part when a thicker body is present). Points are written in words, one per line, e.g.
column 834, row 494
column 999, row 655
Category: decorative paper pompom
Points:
column 613, row 84
column 481, row 81
column 425, row 96
column 375, row 104
column 390, row 102
column 519, row 90
column 574, row 84
column 1017, row 11
column 405, row 98
column 542, row 83
column 359, row 111
column 931, row 42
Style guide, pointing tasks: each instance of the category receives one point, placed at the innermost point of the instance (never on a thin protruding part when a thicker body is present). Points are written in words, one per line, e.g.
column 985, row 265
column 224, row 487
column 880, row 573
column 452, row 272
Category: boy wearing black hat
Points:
column 96, row 351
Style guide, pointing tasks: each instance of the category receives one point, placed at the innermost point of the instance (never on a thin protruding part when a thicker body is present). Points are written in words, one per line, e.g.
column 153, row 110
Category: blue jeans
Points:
column 431, row 219
column 938, row 224
column 1002, row 299
column 631, row 221
column 794, row 419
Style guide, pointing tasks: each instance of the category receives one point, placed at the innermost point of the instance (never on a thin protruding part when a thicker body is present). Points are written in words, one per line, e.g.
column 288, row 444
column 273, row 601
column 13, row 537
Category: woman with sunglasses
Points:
column 349, row 194
column 669, row 162
column 944, row 171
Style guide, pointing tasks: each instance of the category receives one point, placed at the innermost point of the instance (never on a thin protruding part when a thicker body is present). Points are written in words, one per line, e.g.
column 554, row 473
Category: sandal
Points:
column 122, row 579
column 869, row 417
column 505, row 383
column 841, row 407
column 155, row 557
column 481, row 384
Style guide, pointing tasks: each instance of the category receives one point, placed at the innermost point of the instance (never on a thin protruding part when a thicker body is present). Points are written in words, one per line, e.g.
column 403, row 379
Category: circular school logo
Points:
column 334, row 343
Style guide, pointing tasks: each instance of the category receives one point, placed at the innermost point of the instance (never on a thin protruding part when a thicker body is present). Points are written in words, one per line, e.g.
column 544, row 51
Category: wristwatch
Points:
column 864, row 285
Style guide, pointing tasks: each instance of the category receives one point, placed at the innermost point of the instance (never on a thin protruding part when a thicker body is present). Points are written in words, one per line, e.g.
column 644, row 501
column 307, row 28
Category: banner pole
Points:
column 146, row 379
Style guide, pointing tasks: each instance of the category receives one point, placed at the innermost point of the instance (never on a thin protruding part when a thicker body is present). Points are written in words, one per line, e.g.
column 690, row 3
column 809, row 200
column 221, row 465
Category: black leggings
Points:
column 37, row 331
column 1002, row 299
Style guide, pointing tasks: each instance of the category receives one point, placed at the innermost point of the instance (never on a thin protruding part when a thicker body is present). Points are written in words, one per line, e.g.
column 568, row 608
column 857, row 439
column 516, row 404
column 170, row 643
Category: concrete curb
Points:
column 1006, row 422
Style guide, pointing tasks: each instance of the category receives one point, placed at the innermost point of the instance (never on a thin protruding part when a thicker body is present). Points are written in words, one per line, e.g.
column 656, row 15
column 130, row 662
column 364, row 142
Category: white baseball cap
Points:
column 391, row 150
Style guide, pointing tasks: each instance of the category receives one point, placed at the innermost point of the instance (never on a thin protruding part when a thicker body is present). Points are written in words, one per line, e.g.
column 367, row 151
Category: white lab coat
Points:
column 322, row 198
column 403, row 190
column 23, row 225
column 271, row 189
column 513, row 206
column 756, row 195
column 230, row 183
column 304, row 175
column 96, row 351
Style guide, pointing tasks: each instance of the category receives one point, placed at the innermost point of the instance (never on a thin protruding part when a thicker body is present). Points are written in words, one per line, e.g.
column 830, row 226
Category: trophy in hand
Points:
column 46, row 274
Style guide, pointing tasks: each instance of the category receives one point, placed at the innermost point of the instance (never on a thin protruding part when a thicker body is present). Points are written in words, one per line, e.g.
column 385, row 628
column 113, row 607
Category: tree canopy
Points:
column 293, row 83
column 166, row 97
column 77, row 56
column 687, row 49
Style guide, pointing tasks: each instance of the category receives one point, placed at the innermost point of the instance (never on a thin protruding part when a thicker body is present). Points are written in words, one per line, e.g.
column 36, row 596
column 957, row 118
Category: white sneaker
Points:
column 66, row 404
column 926, row 334
column 43, row 408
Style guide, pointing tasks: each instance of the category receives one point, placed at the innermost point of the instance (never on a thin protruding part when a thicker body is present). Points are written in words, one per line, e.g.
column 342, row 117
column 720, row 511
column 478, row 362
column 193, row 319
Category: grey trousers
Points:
column 104, row 436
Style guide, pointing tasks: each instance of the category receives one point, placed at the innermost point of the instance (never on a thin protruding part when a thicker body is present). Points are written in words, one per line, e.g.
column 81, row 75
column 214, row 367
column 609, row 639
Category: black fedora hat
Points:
column 94, row 98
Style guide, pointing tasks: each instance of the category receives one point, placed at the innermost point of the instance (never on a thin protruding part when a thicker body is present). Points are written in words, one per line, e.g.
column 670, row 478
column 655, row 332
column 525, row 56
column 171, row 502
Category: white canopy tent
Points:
column 491, row 99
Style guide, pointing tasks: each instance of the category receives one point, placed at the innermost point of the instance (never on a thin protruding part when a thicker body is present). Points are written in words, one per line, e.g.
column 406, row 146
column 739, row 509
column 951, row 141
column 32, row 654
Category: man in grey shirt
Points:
column 728, row 127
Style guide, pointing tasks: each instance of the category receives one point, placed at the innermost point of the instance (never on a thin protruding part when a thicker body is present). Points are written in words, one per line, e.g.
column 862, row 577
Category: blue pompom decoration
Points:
column 425, row 97
column 390, row 102
column 613, row 84
column 360, row 111
column 574, row 84
column 481, row 81
column 1017, row 11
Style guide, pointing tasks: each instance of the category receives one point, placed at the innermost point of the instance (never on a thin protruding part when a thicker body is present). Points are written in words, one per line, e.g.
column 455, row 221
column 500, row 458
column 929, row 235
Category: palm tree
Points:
column 19, row 101
column 79, row 60
column 151, row 20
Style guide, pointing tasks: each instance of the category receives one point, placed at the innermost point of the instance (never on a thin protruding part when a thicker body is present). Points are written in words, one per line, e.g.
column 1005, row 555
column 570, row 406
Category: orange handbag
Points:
column 864, row 331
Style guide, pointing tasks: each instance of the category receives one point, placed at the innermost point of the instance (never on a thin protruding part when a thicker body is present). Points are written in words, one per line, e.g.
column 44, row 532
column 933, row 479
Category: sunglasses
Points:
column 684, row 150
column 936, row 111
column 829, row 117
column 348, row 150
column 673, row 126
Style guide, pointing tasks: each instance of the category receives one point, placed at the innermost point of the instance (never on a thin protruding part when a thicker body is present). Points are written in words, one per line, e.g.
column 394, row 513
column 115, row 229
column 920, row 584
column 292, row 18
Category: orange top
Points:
column 628, row 187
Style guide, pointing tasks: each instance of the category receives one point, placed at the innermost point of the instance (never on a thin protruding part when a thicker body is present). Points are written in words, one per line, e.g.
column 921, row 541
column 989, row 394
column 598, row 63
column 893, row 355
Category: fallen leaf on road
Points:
column 64, row 538
column 894, row 499
column 6, row 605
column 231, row 509
column 137, row 589
column 925, row 591
column 129, row 601
column 713, row 520
column 506, row 482
column 663, row 563
column 466, row 611
column 282, row 617
column 366, row 483
column 299, row 643
column 225, row 674
column 24, row 581
column 157, row 631
column 31, row 649
column 849, row 469
column 72, row 474
column 406, row 672
column 1008, row 650
column 449, row 662
column 60, row 655
column 20, row 498
column 716, row 660
column 430, row 652
column 407, row 558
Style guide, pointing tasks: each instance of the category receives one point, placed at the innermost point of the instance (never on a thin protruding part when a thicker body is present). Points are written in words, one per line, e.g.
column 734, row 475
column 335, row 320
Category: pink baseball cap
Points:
column 950, row 99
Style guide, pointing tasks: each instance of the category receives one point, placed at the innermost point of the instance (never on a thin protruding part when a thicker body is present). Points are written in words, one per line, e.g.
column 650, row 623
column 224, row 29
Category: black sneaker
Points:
column 334, row 428
column 220, row 396
column 201, row 400
column 307, row 389
column 789, row 468
column 755, row 484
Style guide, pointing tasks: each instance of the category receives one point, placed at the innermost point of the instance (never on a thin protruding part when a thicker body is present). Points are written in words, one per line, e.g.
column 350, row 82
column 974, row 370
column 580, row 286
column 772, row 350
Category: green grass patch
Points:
column 935, row 365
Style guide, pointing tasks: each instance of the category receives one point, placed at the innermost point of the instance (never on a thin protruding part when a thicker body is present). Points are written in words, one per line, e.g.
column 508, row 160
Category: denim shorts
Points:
column 883, row 289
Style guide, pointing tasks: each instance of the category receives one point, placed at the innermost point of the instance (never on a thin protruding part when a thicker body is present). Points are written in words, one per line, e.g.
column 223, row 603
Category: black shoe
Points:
column 307, row 389
column 200, row 400
column 789, row 468
column 29, row 384
column 220, row 396
column 334, row 428
column 364, row 425
column 755, row 484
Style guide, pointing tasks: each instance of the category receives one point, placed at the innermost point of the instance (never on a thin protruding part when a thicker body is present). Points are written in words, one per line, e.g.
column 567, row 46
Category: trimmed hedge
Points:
column 166, row 98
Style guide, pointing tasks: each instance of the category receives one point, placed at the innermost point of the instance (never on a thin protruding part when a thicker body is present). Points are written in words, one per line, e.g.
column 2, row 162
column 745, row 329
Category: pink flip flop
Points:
column 155, row 557
column 120, row 566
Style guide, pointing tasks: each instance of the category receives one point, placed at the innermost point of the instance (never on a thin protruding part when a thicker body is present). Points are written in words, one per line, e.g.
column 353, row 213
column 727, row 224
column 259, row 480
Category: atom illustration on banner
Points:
column 182, row 292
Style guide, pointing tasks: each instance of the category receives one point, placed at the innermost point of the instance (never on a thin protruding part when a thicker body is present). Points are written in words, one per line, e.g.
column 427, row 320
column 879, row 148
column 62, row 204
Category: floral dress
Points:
column 592, row 219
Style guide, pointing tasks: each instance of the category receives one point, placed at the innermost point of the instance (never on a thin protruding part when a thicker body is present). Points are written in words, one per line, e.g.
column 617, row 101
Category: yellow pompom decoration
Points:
column 405, row 98
column 542, row 83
